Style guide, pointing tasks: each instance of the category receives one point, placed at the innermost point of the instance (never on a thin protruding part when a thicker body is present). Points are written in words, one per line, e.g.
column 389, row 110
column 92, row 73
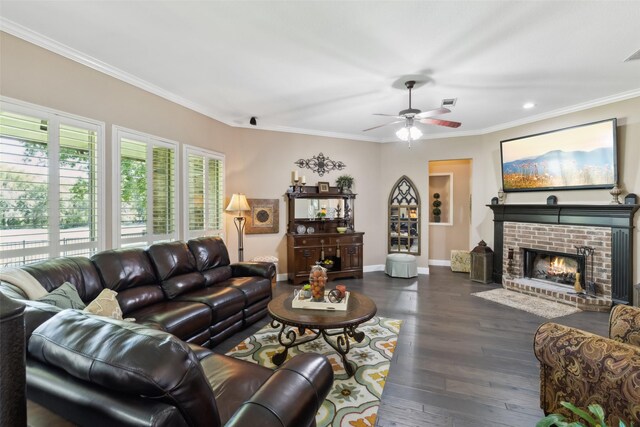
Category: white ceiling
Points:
column 324, row 67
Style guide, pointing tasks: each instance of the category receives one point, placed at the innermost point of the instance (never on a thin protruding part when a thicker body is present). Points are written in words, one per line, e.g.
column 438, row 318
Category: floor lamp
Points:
column 239, row 204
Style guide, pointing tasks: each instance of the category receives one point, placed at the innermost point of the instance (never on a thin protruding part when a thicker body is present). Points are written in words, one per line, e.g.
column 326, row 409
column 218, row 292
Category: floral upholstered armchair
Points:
column 583, row 368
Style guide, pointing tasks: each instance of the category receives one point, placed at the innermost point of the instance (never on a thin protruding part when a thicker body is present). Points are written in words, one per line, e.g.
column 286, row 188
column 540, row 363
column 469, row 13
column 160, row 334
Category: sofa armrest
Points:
column 290, row 397
column 244, row 269
column 583, row 368
column 624, row 324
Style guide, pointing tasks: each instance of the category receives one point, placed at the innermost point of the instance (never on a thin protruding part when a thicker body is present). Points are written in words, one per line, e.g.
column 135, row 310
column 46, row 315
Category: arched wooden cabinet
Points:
column 404, row 218
column 312, row 234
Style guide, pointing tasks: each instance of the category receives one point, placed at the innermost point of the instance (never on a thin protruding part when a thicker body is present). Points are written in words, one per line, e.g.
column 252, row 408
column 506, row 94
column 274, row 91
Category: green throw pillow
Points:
column 66, row 296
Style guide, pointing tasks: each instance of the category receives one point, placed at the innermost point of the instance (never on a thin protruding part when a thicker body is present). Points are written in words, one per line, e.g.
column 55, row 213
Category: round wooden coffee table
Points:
column 328, row 324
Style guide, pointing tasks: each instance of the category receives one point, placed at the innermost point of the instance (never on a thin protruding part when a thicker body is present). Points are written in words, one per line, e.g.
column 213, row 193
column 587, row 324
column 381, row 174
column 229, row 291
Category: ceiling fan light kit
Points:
column 410, row 132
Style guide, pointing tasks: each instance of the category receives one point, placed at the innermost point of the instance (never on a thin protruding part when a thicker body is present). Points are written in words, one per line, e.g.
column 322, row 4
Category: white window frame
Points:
column 119, row 132
column 55, row 118
column 190, row 149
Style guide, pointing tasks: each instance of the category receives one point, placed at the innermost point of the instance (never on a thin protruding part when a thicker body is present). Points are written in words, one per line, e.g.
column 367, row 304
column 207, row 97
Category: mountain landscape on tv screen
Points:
column 559, row 168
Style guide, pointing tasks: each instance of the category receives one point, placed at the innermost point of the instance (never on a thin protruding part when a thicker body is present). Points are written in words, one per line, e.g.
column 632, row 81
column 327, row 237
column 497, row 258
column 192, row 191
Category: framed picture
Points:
column 579, row 157
column 263, row 216
column 323, row 187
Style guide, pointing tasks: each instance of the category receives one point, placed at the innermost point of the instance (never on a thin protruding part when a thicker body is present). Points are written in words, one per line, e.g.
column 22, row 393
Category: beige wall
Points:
column 259, row 162
column 445, row 237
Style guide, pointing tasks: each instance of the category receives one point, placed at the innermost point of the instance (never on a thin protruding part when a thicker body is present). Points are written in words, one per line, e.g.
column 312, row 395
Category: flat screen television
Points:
column 574, row 158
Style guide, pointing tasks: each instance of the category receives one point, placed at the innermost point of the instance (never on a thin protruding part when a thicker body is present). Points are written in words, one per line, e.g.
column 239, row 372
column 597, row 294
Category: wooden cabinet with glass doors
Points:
column 404, row 218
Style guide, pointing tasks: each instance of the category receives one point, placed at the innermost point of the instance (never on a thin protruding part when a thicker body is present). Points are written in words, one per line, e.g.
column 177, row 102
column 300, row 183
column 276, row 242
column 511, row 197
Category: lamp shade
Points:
column 409, row 132
column 238, row 203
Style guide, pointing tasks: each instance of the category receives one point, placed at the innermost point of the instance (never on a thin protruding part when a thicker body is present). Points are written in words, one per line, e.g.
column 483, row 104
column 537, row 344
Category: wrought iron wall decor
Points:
column 320, row 164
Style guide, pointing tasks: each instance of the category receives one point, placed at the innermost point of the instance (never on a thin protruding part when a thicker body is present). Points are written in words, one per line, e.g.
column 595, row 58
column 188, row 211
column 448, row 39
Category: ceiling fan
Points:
column 411, row 115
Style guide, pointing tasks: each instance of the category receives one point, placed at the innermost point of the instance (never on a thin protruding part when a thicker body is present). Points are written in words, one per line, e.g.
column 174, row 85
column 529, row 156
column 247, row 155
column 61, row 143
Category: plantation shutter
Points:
column 196, row 191
column 50, row 195
column 163, row 189
column 78, row 182
column 24, row 187
column 216, row 196
column 205, row 189
column 133, row 191
column 147, row 208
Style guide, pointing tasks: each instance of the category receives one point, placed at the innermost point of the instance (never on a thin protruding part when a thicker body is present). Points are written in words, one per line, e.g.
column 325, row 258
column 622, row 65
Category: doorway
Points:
column 450, row 219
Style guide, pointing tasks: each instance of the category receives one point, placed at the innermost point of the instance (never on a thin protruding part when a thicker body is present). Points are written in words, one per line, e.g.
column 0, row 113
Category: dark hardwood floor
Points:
column 460, row 361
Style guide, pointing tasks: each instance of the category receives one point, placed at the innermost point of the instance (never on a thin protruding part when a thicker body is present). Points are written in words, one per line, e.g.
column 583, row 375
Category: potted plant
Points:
column 344, row 182
column 594, row 418
column 436, row 207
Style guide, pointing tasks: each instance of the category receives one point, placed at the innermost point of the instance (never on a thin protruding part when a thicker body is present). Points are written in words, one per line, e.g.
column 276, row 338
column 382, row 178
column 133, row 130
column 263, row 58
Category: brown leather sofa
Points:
column 582, row 368
column 188, row 289
column 185, row 297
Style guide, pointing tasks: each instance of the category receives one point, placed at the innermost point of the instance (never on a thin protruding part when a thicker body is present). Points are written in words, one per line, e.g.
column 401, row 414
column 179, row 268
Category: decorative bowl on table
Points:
column 341, row 229
column 301, row 229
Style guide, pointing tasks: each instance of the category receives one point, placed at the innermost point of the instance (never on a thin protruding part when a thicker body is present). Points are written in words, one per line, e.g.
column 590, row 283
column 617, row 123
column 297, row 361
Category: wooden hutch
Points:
column 312, row 235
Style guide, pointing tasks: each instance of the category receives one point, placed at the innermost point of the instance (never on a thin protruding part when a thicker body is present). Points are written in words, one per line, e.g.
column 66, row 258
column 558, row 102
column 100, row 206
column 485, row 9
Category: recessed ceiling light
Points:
column 528, row 105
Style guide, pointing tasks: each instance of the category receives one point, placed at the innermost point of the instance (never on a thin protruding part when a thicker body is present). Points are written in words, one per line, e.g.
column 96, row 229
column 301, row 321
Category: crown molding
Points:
column 47, row 43
column 61, row 49
column 562, row 111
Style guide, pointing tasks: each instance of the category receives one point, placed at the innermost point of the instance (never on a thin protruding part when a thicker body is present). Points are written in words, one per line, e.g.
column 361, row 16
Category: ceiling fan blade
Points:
column 386, row 124
column 432, row 113
column 388, row 115
column 439, row 122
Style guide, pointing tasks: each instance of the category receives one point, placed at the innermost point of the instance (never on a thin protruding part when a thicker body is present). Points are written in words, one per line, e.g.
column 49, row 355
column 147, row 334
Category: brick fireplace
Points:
column 558, row 241
column 557, row 230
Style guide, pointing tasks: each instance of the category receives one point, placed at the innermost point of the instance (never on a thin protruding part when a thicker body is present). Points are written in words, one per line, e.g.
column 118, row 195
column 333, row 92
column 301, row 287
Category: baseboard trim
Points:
column 370, row 268
column 423, row 270
column 440, row 262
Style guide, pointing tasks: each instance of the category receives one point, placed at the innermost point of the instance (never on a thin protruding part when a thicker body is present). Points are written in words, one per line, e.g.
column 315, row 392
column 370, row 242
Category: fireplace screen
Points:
column 555, row 267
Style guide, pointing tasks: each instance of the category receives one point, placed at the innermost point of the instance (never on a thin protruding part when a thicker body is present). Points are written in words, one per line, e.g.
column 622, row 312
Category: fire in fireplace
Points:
column 555, row 267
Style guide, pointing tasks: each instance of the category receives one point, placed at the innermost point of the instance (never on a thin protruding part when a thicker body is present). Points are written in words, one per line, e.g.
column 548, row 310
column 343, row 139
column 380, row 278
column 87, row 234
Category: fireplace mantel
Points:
column 617, row 217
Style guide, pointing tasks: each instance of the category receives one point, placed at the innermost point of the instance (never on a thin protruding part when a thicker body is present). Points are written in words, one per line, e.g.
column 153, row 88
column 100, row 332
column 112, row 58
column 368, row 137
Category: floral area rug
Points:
column 352, row 402
column 538, row 306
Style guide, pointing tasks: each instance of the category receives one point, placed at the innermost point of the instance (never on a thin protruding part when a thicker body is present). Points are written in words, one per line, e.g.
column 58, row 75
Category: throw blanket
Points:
column 24, row 281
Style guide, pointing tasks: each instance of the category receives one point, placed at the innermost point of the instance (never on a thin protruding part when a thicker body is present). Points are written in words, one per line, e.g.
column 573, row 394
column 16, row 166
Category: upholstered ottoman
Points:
column 461, row 261
column 401, row 265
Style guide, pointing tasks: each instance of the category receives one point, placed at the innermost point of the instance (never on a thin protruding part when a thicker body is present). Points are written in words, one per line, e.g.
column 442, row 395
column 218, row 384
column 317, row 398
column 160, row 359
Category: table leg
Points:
column 288, row 338
column 342, row 345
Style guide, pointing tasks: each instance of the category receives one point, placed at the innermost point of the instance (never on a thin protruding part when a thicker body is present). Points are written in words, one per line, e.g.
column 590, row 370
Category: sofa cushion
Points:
column 78, row 271
column 254, row 288
column 130, row 273
column 122, row 269
column 176, row 268
column 216, row 275
column 105, row 304
column 136, row 298
column 183, row 319
column 65, row 296
column 209, row 252
column 224, row 302
column 127, row 358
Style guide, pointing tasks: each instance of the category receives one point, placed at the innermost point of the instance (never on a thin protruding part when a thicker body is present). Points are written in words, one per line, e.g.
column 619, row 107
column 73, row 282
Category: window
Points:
column 204, row 190
column 145, row 169
column 51, row 185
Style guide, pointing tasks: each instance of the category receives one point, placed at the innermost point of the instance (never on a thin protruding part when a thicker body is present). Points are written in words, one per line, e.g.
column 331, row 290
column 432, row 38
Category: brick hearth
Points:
column 558, row 238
